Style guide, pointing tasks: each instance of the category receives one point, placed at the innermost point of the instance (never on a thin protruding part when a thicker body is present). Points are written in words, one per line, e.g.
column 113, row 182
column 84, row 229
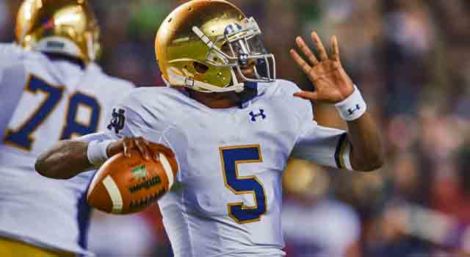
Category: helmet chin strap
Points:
column 176, row 79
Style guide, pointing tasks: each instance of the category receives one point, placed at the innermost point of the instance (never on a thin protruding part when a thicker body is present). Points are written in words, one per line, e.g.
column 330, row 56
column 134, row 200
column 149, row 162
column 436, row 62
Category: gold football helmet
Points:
column 67, row 27
column 206, row 44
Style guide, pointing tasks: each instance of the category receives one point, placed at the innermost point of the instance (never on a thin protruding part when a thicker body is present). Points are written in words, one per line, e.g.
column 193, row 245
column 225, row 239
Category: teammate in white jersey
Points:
column 232, row 126
column 50, row 90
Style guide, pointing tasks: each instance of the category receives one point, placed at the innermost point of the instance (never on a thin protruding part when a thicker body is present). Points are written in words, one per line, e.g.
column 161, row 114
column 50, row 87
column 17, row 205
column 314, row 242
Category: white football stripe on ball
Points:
column 114, row 194
column 168, row 170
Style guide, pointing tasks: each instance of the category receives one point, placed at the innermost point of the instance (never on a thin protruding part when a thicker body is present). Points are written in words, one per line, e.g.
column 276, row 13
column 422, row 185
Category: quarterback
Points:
column 50, row 89
column 232, row 126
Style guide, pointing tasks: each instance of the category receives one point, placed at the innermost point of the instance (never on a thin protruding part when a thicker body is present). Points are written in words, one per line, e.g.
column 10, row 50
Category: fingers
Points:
column 312, row 59
column 319, row 45
column 306, row 50
column 151, row 149
column 313, row 96
column 335, row 46
column 143, row 148
column 139, row 144
column 127, row 146
column 300, row 61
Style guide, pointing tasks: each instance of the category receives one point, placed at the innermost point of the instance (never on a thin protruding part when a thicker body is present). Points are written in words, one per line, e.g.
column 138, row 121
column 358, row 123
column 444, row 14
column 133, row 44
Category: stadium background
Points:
column 411, row 58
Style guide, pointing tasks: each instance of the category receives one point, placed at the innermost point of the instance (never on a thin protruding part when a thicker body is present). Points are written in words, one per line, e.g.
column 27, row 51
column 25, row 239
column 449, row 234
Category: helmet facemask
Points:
column 247, row 48
column 242, row 49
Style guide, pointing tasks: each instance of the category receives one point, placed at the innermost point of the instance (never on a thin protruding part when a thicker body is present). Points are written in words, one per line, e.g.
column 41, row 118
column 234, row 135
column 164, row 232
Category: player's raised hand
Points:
column 332, row 84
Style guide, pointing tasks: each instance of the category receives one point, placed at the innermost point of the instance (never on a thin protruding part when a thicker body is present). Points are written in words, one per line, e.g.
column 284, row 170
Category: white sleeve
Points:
column 324, row 146
column 127, row 122
column 131, row 118
column 13, row 76
column 12, row 71
column 10, row 54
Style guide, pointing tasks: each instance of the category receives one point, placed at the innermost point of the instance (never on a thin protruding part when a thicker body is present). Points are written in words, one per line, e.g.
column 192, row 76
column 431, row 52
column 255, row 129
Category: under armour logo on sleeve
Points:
column 352, row 111
column 117, row 122
column 254, row 116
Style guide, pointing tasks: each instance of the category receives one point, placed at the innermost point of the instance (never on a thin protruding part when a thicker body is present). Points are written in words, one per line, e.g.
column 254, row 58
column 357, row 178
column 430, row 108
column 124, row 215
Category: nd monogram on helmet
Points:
column 206, row 44
column 67, row 27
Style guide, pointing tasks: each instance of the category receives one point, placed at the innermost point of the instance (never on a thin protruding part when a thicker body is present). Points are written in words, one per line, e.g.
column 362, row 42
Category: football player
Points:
column 50, row 90
column 232, row 126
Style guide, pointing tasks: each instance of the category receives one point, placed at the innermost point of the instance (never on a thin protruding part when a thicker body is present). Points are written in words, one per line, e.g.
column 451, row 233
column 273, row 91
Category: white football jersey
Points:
column 228, row 194
column 41, row 102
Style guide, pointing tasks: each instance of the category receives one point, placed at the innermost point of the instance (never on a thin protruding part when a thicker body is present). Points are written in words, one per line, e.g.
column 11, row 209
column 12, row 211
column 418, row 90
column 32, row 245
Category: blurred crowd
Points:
column 410, row 58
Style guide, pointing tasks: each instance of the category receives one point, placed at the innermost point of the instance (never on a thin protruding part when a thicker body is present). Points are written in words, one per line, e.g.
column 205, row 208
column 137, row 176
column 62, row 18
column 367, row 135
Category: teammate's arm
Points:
column 69, row 158
column 333, row 85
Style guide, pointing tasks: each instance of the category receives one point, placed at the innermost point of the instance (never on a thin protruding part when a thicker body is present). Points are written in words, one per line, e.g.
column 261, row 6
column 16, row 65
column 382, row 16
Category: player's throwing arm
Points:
column 68, row 158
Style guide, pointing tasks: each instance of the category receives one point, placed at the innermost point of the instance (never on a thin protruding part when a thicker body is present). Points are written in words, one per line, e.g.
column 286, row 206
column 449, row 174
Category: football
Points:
column 125, row 185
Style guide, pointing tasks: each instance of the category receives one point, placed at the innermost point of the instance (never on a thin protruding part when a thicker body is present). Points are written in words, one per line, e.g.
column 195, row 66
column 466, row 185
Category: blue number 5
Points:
column 231, row 158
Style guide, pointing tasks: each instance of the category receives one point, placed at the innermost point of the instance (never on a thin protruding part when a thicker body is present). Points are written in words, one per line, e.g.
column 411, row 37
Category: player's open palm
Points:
column 332, row 84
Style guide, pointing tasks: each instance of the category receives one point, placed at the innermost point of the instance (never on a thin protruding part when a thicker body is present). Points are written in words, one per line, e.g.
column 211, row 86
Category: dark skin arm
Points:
column 68, row 158
column 333, row 85
column 64, row 160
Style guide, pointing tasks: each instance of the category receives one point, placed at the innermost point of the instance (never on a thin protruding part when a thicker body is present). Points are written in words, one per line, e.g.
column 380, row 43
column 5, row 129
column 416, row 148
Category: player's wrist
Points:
column 97, row 152
column 353, row 107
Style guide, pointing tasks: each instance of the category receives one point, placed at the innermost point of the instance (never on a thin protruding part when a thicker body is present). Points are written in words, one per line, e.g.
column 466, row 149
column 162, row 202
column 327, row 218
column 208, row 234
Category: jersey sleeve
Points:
column 10, row 54
column 12, row 70
column 13, row 77
column 133, row 117
column 322, row 145
column 325, row 146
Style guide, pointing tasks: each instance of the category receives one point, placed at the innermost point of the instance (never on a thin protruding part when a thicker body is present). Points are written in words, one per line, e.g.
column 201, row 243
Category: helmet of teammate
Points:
column 207, row 45
column 67, row 27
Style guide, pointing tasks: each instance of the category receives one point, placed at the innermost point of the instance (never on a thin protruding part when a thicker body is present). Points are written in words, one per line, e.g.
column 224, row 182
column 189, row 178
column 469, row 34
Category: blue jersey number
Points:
column 231, row 158
column 74, row 127
column 22, row 137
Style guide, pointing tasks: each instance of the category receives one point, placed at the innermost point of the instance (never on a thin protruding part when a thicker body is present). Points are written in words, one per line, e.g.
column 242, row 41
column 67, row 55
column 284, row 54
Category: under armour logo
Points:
column 255, row 116
column 117, row 122
column 352, row 111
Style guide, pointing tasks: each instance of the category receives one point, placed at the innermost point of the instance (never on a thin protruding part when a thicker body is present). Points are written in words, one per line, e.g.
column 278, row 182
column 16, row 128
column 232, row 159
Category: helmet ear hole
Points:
column 200, row 68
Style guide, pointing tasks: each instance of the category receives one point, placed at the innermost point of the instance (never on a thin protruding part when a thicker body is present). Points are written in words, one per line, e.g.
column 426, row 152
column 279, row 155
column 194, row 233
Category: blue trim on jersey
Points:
column 251, row 85
column 83, row 218
column 342, row 143
column 249, row 93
